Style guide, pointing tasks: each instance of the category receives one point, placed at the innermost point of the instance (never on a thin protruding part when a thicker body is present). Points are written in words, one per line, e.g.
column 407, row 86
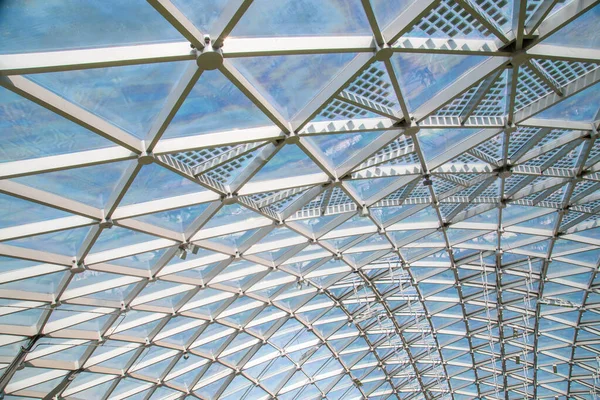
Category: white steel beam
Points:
column 350, row 71
column 552, row 98
column 536, row 18
column 218, row 139
column 72, row 112
column 254, row 95
column 478, row 14
column 171, row 105
column 80, row 159
column 405, row 21
column 564, row 16
column 566, row 53
column 228, row 19
column 280, row 46
column 372, row 18
column 49, row 199
column 176, row 18
column 460, row 85
column 102, row 57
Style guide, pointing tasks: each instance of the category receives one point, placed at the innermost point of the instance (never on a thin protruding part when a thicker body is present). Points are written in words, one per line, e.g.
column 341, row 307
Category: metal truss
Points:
column 452, row 254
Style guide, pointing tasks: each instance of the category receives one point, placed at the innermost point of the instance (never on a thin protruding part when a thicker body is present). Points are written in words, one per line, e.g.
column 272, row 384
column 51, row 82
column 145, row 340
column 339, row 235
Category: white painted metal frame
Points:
column 368, row 262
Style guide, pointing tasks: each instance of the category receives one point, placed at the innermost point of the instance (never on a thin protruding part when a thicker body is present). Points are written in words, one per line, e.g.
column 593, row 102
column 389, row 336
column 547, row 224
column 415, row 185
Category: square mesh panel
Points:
column 492, row 147
column 533, row 5
column 512, row 182
column 569, row 160
column 557, row 196
column 491, row 191
column 564, row 72
column 224, row 172
column 529, row 88
column 543, row 158
column 420, row 192
column 519, row 138
column 411, row 158
column 197, row 157
column 456, row 107
column 449, row 20
column 466, row 159
column 594, row 153
column 583, row 186
column 341, row 109
column 570, row 216
column 442, row 186
column 497, row 10
column 552, row 135
column 281, row 205
column 373, row 84
column 469, row 191
column 494, row 102
column 338, row 196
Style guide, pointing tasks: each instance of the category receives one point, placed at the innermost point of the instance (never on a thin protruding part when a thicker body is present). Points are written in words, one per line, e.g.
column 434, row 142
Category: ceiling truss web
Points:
column 451, row 254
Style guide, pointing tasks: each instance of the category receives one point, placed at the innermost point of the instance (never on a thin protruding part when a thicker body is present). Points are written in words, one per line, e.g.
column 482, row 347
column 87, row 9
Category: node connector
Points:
column 209, row 58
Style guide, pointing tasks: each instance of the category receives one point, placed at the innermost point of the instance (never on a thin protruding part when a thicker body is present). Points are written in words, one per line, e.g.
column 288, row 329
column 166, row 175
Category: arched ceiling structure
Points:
column 309, row 199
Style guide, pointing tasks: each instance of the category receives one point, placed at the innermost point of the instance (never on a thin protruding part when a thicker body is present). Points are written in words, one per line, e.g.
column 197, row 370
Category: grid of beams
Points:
column 468, row 272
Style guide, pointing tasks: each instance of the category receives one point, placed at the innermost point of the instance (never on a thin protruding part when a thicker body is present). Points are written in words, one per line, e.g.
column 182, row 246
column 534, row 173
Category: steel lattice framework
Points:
column 443, row 251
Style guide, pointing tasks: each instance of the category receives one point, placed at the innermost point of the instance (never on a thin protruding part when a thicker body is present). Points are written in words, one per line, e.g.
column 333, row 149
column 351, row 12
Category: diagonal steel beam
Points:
column 176, row 18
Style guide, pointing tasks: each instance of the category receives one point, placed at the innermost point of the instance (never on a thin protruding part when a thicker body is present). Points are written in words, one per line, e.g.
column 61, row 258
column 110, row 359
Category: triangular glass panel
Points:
column 204, row 15
column 582, row 107
column 311, row 17
column 118, row 237
column 270, row 75
column 129, row 96
column 31, row 131
column 422, row 77
column 91, row 185
column 579, row 32
column 289, row 162
column 370, row 187
column 449, row 20
column 154, row 182
column 121, row 28
column 15, row 211
column 66, row 242
column 215, row 104
column 176, row 220
column 339, row 148
column 436, row 141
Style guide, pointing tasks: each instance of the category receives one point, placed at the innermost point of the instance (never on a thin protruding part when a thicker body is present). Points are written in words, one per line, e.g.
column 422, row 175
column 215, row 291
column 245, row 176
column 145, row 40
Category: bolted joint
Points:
column 77, row 267
column 364, row 211
column 292, row 137
column 510, row 128
column 209, row 58
column 106, row 223
column 383, row 53
column 229, row 198
column 145, row 158
column 518, row 58
column 504, row 171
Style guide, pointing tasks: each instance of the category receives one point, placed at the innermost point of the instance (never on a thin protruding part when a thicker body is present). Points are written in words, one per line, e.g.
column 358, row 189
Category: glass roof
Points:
column 304, row 199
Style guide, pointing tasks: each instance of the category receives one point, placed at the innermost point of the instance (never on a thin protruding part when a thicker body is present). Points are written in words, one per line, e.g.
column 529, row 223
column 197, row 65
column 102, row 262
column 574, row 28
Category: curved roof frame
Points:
column 519, row 49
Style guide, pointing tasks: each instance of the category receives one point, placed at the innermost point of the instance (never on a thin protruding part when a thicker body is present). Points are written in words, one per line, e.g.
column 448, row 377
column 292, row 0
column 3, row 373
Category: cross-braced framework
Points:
column 366, row 199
